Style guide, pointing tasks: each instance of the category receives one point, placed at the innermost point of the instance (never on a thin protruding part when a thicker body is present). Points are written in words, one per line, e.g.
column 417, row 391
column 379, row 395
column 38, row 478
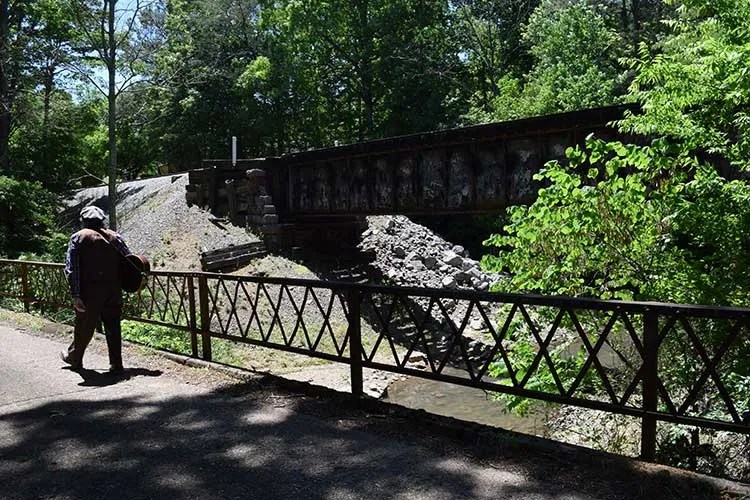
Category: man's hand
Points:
column 78, row 305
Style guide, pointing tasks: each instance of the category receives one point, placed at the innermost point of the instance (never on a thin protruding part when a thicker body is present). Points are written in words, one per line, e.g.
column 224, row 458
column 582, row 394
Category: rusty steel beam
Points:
column 477, row 169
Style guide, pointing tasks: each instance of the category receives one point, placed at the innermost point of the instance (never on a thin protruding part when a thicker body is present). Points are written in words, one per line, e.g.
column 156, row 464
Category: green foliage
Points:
column 137, row 150
column 505, row 103
column 56, row 143
column 368, row 69
column 711, row 232
column 629, row 222
column 575, row 55
column 177, row 341
column 53, row 248
column 159, row 337
column 521, row 356
column 587, row 234
column 623, row 221
column 694, row 86
column 26, row 216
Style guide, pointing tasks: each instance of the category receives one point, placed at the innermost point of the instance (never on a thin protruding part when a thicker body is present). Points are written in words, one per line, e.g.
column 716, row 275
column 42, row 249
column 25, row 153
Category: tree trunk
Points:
column 49, row 86
column 365, row 71
column 635, row 7
column 4, row 139
column 112, row 123
column 5, row 98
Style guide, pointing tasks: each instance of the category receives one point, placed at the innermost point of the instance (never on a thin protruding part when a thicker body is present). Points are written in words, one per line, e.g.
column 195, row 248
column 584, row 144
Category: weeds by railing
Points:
column 658, row 362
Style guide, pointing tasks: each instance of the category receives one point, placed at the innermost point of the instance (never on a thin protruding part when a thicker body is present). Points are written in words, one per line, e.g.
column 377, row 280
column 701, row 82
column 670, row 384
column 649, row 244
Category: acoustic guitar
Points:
column 133, row 271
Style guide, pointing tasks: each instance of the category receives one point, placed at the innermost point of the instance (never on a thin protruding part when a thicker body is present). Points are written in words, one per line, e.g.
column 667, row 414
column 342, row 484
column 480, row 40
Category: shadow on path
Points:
column 93, row 378
column 246, row 442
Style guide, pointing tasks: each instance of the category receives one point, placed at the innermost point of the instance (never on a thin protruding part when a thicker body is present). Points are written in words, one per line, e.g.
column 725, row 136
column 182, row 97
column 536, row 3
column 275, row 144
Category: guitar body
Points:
column 133, row 270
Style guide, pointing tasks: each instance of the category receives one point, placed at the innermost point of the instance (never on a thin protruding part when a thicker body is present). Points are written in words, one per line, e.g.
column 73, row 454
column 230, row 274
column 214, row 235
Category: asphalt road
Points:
column 171, row 435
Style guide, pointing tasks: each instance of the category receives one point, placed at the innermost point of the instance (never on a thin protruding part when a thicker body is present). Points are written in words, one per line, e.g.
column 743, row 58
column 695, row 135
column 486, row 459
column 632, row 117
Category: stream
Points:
column 464, row 403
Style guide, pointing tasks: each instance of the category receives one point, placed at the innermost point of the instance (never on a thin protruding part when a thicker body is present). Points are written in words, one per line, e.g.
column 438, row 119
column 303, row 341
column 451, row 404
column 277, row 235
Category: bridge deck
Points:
column 482, row 168
column 169, row 431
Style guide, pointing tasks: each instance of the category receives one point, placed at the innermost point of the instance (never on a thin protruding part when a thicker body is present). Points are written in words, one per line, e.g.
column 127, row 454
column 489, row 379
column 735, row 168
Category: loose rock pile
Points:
column 408, row 254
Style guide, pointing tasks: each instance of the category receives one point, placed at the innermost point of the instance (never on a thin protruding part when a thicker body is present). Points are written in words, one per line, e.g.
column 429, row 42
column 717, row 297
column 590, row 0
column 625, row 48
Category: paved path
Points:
column 151, row 434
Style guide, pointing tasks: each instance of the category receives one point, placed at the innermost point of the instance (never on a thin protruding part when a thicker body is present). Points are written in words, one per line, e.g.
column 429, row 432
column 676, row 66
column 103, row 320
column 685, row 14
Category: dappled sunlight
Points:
column 168, row 478
column 267, row 417
column 249, row 455
column 180, row 449
column 230, row 445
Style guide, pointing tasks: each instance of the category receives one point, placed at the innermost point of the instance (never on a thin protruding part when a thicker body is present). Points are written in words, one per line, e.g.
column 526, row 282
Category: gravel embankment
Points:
column 155, row 220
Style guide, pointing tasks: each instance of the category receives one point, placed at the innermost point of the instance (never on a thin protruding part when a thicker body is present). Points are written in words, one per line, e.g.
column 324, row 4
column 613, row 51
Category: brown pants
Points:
column 103, row 304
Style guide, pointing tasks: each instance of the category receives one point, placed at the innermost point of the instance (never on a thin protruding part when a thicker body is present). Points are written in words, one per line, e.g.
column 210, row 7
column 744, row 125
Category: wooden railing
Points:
column 658, row 362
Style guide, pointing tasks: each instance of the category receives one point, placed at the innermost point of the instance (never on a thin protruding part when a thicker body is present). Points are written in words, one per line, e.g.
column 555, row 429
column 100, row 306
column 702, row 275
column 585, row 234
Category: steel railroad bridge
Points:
column 477, row 169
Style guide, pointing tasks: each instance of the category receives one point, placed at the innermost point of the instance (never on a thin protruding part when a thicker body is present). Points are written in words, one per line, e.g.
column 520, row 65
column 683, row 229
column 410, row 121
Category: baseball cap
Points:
column 92, row 212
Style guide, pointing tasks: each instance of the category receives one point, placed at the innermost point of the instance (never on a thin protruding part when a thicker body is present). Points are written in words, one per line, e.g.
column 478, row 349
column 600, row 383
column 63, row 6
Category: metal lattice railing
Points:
column 658, row 362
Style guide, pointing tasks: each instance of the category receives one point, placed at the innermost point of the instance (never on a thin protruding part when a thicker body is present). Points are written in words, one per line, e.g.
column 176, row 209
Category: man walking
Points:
column 92, row 267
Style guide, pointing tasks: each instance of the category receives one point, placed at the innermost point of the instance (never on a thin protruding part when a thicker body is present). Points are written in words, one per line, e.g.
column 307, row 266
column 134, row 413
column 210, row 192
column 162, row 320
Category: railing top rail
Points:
column 563, row 302
column 35, row 263
column 521, row 298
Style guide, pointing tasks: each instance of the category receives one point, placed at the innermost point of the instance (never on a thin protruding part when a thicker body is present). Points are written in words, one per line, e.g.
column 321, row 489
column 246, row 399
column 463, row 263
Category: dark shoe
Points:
column 116, row 369
column 73, row 366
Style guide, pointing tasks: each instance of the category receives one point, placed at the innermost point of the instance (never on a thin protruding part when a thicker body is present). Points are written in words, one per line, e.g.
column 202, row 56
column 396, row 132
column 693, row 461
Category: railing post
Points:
column 193, row 322
column 25, row 287
column 650, row 387
column 354, row 300
column 205, row 320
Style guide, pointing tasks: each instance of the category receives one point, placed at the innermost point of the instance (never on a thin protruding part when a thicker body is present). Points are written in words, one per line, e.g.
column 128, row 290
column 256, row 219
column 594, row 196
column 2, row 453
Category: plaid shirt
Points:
column 73, row 266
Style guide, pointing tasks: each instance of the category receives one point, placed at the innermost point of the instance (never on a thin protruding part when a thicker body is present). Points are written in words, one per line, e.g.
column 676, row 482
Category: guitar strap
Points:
column 122, row 255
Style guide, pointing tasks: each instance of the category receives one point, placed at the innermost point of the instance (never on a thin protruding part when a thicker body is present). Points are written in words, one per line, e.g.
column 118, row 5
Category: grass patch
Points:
column 160, row 337
column 21, row 319
column 178, row 341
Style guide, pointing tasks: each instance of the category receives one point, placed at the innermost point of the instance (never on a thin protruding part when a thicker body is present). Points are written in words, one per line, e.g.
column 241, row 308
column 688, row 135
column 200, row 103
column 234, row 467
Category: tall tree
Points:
column 17, row 27
column 489, row 33
column 211, row 44
column 575, row 54
column 109, row 32
column 6, row 93
column 367, row 63
column 49, row 50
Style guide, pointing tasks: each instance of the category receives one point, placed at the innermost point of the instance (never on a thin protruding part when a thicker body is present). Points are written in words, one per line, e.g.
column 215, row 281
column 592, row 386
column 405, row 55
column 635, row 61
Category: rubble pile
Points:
column 408, row 254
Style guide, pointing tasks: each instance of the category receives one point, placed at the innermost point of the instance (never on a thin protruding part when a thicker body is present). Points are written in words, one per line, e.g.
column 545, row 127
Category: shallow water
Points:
column 464, row 403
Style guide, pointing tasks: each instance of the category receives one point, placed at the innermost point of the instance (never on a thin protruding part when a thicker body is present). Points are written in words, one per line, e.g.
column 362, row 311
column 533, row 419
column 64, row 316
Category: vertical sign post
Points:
column 234, row 151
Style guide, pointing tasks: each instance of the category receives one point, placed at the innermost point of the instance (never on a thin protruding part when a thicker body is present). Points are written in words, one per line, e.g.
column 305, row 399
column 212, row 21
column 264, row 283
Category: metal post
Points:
column 212, row 191
column 192, row 319
column 205, row 320
column 354, row 300
column 650, row 387
column 25, row 287
column 231, row 199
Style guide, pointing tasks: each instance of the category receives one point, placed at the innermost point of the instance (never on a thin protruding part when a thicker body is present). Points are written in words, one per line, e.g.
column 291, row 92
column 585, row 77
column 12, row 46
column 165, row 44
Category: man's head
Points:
column 92, row 217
